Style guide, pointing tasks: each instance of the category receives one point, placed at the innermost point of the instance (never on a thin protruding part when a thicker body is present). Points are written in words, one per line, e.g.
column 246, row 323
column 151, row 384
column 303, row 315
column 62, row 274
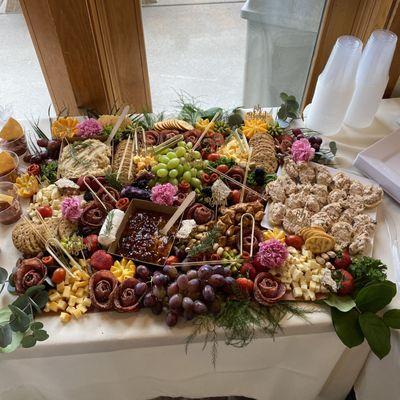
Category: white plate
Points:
column 381, row 162
column 371, row 212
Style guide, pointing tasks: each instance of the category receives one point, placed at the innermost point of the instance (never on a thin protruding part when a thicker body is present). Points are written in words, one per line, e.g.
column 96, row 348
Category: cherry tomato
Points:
column 47, row 260
column 172, row 260
column 223, row 168
column 45, row 211
column 213, row 157
column 294, row 241
column 33, row 169
column 58, row 276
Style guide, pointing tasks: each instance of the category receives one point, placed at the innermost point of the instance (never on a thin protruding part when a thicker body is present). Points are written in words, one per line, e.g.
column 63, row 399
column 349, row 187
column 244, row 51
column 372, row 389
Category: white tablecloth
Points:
column 138, row 357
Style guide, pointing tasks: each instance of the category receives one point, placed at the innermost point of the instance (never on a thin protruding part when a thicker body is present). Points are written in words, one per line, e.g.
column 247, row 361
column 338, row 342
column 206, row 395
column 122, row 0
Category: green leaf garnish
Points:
column 347, row 327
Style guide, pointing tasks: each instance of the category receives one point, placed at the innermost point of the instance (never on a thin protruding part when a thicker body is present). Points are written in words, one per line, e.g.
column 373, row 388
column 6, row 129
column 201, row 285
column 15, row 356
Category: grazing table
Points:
column 136, row 356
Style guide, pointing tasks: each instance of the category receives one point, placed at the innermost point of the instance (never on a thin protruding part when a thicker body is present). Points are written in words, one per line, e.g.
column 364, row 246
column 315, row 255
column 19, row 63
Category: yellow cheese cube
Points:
column 54, row 296
column 69, row 309
column 297, row 292
column 60, row 287
column 87, row 302
column 65, row 317
column 53, row 306
column 46, row 308
column 67, row 292
column 76, row 313
column 62, row 305
column 82, row 308
column 72, row 300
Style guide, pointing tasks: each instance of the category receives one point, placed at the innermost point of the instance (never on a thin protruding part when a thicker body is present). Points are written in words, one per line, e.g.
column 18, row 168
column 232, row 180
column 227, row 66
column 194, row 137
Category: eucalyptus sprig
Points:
column 289, row 108
column 17, row 320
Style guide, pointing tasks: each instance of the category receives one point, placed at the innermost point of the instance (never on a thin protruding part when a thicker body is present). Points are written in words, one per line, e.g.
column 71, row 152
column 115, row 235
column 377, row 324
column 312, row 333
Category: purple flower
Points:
column 164, row 194
column 71, row 208
column 272, row 253
column 89, row 128
column 302, row 150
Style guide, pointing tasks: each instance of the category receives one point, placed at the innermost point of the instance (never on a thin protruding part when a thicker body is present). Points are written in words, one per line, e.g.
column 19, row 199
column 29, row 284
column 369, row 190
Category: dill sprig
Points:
column 240, row 319
column 206, row 244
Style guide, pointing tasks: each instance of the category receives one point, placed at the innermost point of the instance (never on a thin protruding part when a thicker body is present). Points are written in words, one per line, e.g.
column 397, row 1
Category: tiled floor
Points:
column 197, row 46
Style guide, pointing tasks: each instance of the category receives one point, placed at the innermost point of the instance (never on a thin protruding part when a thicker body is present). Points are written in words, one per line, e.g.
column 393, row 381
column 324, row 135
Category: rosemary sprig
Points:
column 206, row 244
column 109, row 224
column 240, row 319
column 112, row 180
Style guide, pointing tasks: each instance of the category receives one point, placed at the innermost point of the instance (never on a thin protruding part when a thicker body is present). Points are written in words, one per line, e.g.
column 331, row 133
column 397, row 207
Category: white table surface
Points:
column 138, row 357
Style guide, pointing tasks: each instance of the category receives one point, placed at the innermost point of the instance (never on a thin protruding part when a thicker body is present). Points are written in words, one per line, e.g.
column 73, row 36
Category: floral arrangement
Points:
column 89, row 128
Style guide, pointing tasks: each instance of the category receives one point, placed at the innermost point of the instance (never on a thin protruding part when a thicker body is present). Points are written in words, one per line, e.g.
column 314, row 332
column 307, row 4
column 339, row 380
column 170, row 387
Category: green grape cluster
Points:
column 179, row 164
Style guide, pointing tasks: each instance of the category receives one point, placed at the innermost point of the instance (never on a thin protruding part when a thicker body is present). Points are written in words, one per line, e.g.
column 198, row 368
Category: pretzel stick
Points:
column 55, row 256
column 117, row 125
column 246, row 173
column 66, row 252
column 123, row 157
column 130, row 165
column 144, row 141
column 136, row 142
column 253, row 225
column 236, row 182
column 197, row 144
column 94, row 194
column 167, row 143
column 102, row 186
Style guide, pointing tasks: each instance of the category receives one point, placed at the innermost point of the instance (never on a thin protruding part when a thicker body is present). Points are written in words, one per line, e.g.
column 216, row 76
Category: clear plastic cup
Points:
column 12, row 175
column 18, row 146
column 9, row 213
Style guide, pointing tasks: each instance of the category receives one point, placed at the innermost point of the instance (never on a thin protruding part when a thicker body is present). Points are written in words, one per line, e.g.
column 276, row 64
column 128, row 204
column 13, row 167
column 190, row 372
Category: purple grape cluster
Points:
column 184, row 293
column 315, row 141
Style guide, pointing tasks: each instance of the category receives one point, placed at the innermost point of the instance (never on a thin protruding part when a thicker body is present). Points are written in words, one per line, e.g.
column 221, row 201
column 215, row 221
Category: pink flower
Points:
column 272, row 253
column 89, row 128
column 302, row 150
column 164, row 194
column 71, row 208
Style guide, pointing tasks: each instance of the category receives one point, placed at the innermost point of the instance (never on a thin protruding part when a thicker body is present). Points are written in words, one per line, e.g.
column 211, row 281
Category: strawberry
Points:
column 223, row 168
column 346, row 284
column 342, row 261
column 213, row 157
column 248, row 271
column 245, row 285
column 294, row 241
column 257, row 264
column 45, row 211
column 91, row 242
column 101, row 260
column 235, row 196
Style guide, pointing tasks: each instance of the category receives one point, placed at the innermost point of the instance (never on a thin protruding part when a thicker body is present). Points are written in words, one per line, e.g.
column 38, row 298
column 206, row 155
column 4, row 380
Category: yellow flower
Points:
column 111, row 120
column 201, row 124
column 276, row 233
column 256, row 121
column 27, row 185
column 123, row 269
column 64, row 128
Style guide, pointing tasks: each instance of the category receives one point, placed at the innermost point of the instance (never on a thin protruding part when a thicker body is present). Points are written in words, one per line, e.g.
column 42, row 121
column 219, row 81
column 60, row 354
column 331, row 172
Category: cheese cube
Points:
column 65, row 317
column 54, row 296
column 297, row 292
column 315, row 278
column 297, row 275
column 69, row 309
column 312, row 286
column 62, row 305
column 295, row 284
column 72, row 300
column 306, row 295
column 87, row 302
column 53, row 306
column 312, row 295
column 82, row 308
column 46, row 308
column 60, row 287
column 317, row 288
column 76, row 313
column 67, row 292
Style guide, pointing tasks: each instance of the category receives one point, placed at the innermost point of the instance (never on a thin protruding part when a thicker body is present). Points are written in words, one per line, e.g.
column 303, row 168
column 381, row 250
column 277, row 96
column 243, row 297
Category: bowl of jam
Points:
column 10, row 207
column 139, row 237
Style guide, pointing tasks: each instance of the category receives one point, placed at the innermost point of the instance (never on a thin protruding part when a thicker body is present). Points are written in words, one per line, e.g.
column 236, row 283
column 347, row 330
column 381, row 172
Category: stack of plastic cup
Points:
column 335, row 86
column 372, row 78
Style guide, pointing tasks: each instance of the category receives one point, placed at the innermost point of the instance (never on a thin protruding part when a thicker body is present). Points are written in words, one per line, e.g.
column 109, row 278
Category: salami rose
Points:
column 125, row 299
column 106, row 198
column 122, row 204
column 236, row 173
column 192, row 136
column 152, row 138
column 200, row 213
column 102, row 286
column 258, row 238
column 167, row 134
column 93, row 215
column 30, row 272
column 267, row 290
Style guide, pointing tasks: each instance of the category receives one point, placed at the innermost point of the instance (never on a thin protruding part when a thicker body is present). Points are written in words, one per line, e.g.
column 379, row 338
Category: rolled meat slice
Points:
column 102, row 287
column 125, row 299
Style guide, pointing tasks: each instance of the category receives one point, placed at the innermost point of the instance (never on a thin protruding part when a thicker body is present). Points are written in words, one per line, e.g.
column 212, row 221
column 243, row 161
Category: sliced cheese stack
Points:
column 7, row 163
column 12, row 130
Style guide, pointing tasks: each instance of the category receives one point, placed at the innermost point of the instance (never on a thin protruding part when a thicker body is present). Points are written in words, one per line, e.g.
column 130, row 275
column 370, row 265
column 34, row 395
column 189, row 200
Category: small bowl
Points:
column 18, row 146
column 11, row 213
column 12, row 175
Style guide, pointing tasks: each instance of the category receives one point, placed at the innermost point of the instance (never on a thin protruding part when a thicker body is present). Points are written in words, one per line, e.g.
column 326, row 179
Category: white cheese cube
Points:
column 297, row 292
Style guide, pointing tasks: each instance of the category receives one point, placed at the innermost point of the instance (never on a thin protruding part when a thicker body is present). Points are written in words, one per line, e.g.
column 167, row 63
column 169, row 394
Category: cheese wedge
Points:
column 12, row 130
column 6, row 199
column 7, row 163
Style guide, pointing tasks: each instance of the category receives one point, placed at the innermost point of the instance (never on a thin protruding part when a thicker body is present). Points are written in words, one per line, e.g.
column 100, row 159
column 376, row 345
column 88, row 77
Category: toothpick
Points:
column 246, row 172
column 94, row 194
column 168, row 142
column 209, row 262
column 197, row 144
column 136, row 142
column 66, row 252
column 117, row 125
column 253, row 225
column 55, row 256
column 236, row 182
column 102, row 186
column 240, row 141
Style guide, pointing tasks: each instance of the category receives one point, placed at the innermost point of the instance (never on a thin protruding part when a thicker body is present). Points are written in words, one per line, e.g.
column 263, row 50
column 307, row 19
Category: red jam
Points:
column 141, row 239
